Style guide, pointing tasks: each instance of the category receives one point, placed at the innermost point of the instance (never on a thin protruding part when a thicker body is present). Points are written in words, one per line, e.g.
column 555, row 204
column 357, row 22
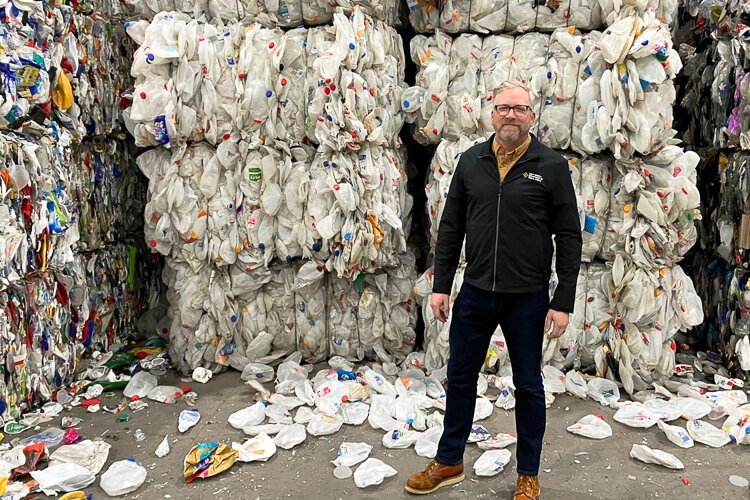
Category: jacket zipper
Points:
column 497, row 220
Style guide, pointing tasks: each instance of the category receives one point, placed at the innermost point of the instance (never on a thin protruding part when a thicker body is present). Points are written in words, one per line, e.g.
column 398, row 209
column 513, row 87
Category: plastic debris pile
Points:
column 284, row 13
column 75, row 274
column 277, row 190
column 503, row 16
column 605, row 98
column 713, row 39
column 593, row 92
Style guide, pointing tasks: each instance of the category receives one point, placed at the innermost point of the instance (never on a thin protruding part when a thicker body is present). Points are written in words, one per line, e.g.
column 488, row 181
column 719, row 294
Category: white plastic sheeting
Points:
column 601, row 91
column 338, row 86
column 503, row 16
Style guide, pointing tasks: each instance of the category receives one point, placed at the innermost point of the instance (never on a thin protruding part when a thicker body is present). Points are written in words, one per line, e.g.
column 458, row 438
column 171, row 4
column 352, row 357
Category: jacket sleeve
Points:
column 566, row 227
column 451, row 232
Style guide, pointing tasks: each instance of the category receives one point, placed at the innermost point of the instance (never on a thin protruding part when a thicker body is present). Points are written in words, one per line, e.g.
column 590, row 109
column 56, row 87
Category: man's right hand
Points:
column 441, row 306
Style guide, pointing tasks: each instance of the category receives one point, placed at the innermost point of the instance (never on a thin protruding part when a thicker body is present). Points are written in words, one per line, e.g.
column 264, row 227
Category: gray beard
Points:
column 510, row 137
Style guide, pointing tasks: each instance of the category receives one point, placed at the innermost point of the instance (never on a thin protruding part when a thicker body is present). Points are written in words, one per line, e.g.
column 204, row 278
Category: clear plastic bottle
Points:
column 138, row 435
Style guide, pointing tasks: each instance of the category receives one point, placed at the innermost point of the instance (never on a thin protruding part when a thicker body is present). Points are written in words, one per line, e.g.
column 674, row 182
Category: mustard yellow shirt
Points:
column 506, row 160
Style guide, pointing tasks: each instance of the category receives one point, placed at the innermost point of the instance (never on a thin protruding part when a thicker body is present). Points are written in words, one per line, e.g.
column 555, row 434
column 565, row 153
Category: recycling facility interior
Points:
column 246, row 182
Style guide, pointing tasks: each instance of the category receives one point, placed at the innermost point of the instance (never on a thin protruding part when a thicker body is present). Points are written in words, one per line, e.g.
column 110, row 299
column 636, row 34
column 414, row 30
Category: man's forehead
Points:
column 513, row 96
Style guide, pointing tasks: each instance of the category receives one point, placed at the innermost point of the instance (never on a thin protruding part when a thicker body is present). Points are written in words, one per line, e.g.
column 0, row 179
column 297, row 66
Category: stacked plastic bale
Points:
column 607, row 95
column 70, row 280
column 279, row 147
column 714, row 37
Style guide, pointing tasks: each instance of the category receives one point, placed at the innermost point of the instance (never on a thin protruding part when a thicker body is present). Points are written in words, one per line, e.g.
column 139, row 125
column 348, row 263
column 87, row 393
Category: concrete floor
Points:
column 573, row 467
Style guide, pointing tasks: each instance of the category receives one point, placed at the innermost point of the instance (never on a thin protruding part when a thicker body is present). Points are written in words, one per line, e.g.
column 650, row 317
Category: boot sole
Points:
column 447, row 482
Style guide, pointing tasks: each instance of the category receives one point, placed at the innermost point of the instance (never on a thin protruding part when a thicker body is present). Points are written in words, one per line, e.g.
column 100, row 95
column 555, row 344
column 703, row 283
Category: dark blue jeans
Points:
column 476, row 314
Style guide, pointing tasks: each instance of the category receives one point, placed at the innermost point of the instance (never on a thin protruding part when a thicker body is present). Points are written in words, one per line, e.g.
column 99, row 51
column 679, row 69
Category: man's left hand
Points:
column 556, row 324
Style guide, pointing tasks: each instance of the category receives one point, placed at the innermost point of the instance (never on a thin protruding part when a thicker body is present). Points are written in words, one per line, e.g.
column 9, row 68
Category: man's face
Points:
column 511, row 127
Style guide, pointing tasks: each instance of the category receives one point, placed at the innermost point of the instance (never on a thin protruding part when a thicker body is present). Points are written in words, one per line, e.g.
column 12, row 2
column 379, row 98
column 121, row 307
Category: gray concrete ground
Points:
column 573, row 467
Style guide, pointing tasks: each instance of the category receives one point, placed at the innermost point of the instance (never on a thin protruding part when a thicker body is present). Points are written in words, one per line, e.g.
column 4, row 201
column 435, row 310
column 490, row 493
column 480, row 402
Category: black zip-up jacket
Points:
column 509, row 225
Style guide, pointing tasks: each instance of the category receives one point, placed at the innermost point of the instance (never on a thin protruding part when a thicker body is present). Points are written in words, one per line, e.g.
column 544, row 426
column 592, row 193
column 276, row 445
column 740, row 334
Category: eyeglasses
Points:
column 518, row 110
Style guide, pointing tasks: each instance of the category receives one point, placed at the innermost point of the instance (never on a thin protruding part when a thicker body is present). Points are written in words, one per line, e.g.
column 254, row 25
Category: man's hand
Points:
column 441, row 306
column 555, row 325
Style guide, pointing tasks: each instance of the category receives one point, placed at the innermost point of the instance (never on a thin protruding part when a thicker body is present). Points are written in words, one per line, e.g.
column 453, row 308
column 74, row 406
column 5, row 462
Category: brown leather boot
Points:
column 434, row 477
column 527, row 488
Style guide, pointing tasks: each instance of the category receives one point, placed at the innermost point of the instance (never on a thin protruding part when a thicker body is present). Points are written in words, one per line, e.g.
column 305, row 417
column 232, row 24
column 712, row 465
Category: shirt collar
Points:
column 496, row 146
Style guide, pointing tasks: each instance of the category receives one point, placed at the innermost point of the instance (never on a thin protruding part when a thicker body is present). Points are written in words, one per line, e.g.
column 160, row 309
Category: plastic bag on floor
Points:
column 123, row 477
column 427, row 443
column 252, row 415
column 497, row 442
column 492, row 462
column 400, row 437
column 140, row 385
column 89, row 454
column 323, row 425
column 163, row 449
column 707, row 434
column 591, row 426
column 483, row 409
column 258, row 449
column 554, row 380
column 691, row 408
column 372, row 472
column 665, row 410
column 355, row 413
column 575, row 384
column 634, row 414
column 604, row 391
column 350, row 454
column 658, row 457
column 63, row 477
column 677, row 435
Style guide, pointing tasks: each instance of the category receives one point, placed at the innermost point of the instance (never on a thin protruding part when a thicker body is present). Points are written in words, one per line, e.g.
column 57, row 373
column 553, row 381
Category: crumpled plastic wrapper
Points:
column 207, row 460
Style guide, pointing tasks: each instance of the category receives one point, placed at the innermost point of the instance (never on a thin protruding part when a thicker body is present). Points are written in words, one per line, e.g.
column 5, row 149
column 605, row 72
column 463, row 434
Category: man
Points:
column 508, row 197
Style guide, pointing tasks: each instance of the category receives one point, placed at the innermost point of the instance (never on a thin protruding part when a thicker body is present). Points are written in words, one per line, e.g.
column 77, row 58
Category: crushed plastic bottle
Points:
column 188, row 419
column 123, row 477
column 138, row 435
column 257, row 371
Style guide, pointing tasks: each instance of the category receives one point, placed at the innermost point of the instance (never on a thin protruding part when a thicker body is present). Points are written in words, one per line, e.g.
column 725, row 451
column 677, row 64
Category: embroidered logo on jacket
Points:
column 533, row 177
